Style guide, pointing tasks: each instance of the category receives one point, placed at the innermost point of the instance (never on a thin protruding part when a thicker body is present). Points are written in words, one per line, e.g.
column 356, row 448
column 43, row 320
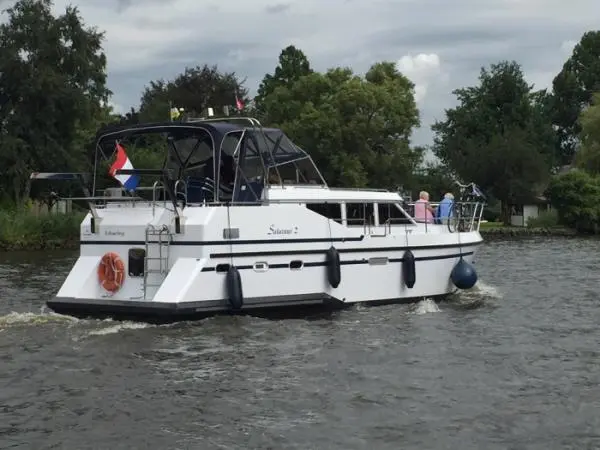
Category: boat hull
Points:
column 361, row 282
column 278, row 267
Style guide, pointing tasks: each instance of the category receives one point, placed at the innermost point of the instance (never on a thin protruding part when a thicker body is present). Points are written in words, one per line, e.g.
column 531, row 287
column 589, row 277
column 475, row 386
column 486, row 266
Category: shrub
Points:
column 576, row 197
column 547, row 219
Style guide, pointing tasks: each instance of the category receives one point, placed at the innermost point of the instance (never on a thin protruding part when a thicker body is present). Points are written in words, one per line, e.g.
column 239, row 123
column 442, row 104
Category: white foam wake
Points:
column 31, row 318
column 425, row 306
column 118, row 327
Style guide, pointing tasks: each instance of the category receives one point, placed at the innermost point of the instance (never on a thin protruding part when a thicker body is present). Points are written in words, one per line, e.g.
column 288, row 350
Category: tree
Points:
column 576, row 197
column 434, row 178
column 293, row 64
column 356, row 129
column 195, row 90
column 499, row 136
column 573, row 88
column 52, row 88
column 588, row 158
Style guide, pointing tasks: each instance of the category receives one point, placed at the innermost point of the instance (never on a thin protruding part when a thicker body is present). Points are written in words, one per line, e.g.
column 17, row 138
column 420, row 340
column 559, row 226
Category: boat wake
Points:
column 31, row 318
column 99, row 327
column 425, row 306
column 118, row 327
column 482, row 294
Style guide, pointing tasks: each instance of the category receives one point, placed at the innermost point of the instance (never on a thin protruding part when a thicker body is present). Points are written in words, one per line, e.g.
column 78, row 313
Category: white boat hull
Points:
column 270, row 238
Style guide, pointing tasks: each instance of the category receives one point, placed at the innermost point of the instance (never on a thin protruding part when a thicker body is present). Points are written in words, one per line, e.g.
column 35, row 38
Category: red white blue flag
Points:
column 129, row 182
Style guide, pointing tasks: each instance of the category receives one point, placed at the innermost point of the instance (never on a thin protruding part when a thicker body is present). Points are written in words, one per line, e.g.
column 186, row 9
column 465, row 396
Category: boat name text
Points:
column 113, row 233
column 274, row 231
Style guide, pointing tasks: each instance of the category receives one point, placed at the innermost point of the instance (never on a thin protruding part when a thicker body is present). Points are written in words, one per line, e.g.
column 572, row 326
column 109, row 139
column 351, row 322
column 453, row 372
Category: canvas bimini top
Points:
column 233, row 152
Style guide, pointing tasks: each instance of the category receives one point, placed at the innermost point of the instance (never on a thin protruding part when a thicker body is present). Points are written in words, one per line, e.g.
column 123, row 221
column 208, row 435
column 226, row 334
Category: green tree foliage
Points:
column 52, row 88
column 356, row 129
column 499, row 136
column 434, row 178
column 573, row 88
column 588, row 157
column 576, row 197
column 195, row 90
column 293, row 64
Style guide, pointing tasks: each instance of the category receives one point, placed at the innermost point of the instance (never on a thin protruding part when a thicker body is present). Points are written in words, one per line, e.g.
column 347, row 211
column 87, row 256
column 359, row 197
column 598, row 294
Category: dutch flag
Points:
column 129, row 182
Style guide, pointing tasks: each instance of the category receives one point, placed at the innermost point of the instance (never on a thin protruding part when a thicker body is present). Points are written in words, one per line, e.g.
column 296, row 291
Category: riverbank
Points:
column 492, row 230
column 25, row 231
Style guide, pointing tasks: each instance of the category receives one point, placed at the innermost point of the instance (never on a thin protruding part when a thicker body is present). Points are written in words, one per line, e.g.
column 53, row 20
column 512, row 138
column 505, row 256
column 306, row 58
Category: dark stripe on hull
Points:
column 288, row 252
column 232, row 241
column 343, row 263
column 281, row 307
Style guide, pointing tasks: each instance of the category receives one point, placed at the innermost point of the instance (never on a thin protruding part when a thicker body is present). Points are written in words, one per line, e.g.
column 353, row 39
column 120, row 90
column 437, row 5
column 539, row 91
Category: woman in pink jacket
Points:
column 423, row 210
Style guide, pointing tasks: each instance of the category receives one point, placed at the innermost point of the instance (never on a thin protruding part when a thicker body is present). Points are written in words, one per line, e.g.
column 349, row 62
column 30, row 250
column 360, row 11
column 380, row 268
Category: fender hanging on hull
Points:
column 334, row 273
column 409, row 269
column 234, row 288
column 463, row 275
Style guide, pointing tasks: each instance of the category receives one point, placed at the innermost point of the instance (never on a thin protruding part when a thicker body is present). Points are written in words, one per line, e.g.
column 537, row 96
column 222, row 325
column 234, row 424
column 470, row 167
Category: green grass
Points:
column 491, row 225
column 21, row 230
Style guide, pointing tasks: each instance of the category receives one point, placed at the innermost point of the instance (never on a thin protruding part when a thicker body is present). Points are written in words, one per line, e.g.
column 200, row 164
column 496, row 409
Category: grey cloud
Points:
column 129, row 85
column 465, row 35
column 278, row 8
column 123, row 5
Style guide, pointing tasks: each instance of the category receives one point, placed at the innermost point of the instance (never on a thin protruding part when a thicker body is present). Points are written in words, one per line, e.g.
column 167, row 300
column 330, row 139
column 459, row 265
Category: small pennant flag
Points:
column 238, row 103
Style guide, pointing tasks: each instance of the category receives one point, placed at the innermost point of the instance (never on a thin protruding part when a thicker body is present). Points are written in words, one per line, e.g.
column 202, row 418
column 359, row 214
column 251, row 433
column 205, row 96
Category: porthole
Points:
column 261, row 266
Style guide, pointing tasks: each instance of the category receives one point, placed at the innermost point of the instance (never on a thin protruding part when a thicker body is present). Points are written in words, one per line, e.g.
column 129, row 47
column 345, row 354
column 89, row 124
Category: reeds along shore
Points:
column 22, row 230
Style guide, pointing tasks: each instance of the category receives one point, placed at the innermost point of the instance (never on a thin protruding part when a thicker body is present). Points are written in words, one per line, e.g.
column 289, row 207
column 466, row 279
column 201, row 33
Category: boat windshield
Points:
column 284, row 162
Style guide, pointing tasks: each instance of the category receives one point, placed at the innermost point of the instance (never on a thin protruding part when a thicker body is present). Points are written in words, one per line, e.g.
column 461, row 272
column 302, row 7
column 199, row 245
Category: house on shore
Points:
column 528, row 208
column 533, row 206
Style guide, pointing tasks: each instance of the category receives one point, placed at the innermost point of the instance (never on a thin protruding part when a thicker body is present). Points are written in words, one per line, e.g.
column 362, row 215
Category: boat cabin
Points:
column 206, row 161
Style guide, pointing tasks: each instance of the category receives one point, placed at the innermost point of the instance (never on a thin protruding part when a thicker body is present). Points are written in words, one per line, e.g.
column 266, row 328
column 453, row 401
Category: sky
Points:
column 439, row 44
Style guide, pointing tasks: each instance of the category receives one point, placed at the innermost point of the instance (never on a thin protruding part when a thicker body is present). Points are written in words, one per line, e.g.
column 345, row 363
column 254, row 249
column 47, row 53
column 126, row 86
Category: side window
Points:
column 389, row 213
column 330, row 210
column 359, row 213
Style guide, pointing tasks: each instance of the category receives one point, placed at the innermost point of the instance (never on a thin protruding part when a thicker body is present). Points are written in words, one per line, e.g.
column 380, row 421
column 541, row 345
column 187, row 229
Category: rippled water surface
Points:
column 513, row 364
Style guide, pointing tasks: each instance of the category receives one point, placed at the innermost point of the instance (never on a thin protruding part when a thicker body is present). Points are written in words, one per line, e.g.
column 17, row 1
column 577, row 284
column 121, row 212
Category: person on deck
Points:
column 444, row 210
column 423, row 210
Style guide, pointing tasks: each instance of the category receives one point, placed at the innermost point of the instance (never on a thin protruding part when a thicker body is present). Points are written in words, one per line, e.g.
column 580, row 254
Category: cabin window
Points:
column 330, row 210
column 359, row 213
column 390, row 214
column 136, row 258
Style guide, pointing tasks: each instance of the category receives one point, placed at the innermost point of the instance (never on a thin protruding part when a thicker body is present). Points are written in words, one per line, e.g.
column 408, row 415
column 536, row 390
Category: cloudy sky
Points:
column 439, row 44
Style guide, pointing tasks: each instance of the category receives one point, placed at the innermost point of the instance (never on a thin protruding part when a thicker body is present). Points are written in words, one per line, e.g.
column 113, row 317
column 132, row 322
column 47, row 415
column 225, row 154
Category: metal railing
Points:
column 464, row 217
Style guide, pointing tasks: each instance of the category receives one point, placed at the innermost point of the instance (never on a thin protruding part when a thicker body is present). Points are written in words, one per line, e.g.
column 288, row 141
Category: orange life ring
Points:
column 111, row 272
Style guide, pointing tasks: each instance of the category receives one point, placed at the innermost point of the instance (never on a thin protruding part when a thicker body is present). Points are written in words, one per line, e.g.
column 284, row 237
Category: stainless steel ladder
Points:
column 158, row 239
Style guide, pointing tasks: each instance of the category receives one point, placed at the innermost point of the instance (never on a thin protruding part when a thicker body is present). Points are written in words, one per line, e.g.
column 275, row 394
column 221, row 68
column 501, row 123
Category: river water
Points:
column 515, row 364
